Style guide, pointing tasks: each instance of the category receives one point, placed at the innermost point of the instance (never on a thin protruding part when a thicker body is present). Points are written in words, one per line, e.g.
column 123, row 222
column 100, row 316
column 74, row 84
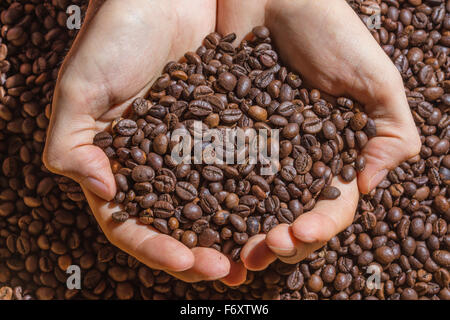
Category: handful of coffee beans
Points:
column 220, row 205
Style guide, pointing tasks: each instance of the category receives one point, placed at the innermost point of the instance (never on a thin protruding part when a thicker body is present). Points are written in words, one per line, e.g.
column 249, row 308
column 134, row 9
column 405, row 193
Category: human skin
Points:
column 123, row 47
column 326, row 42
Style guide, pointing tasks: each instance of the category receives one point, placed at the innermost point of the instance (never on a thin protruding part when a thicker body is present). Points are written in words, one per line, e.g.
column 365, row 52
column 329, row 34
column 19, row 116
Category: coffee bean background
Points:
column 46, row 225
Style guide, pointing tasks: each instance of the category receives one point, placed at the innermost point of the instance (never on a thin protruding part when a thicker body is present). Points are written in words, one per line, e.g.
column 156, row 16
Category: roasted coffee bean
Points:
column 200, row 108
column 212, row 173
column 186, row 191
column 163, row 209
column 312, row 125
column 207, row 237
column 120, row 216
column 261, row 32
column 230, row 116
column 348, row 173
column 227, row 81
column 330, row 192
column 192, row 211
column 189, row 239
column 303, row 163
column 358, row 121
column 103, row 139
column 126, row 127
column 161, row 225
column 142, row 173
column 209, row 203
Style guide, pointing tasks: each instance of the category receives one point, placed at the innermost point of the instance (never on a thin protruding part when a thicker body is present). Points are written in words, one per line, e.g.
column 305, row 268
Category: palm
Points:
column 328, row 45
column 127, row 45
column 120, row 51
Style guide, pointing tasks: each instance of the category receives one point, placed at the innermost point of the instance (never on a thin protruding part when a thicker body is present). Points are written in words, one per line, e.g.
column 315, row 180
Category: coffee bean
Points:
column 103, row 139
column 212, row 173
column 207, row 237
column 257, row 113
column 237, row 222
column 141, row 106
column 185, row 191
column 303, row 163
column 230, row 116
column 348, row 173
column 312, row 125
column 163, row 209
column 263, row 79
column 330, row 192
column 243, row 86
column 189, row 239
column 200, row 108
column 384, row 255
column 192, row 211
column 209, row 204
column 227, row 81
column 358, row 121
column 120, row 216
column 161, row 225
column 142, row 173
column 126, row 127
column 261, row 32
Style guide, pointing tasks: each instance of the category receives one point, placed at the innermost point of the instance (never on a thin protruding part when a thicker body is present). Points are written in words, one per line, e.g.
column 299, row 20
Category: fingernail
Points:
column 97, row 187
column 377, row 178
column 282, row 252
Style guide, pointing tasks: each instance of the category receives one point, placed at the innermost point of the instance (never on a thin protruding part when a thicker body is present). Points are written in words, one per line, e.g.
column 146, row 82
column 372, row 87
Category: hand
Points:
column 120, row 51
column 330, row 47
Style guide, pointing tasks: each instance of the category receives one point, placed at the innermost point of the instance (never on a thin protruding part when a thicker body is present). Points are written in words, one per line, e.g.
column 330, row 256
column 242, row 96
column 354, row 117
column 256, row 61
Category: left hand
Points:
column 326, row 42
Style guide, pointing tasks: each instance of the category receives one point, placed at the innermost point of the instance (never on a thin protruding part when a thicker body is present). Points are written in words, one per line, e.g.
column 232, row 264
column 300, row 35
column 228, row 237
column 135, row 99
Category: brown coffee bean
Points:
column 186, row 191
column 330, row 192
column 261, row 32
column 358, row 121
column 384, row 255
column 126, row 127
column 207, row 238
column 120, row 216
column 189, row 239
column 142, row 173
column 192, row 211
column 348, row 173
column 103, row 139
column 227, row 81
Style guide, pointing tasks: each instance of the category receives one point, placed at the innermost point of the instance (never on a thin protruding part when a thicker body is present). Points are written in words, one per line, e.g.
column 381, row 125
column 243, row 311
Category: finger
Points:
column 209, row 265
column 256, row 255
column 237, row 275
column 287, row 247
column 156, row 250
column 239, row 16
column 329, row 217
column 381, row 154
column 69, row 150
column 397, row 140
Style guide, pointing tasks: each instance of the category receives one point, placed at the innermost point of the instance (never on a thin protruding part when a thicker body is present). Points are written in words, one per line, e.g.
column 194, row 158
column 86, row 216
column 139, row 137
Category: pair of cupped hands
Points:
column 123, row 47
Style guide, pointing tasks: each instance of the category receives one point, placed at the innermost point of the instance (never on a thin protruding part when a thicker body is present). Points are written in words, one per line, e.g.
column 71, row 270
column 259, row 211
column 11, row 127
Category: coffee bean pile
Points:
column 400, row 227
column 220, row 205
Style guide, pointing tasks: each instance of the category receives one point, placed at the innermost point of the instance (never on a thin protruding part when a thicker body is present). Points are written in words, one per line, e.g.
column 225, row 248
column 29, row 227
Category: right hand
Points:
column 121, row 49
column 328, row 45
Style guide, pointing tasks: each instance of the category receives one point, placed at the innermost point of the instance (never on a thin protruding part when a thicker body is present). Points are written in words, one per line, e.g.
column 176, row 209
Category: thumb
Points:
column 391, row 146
column 69, row 151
